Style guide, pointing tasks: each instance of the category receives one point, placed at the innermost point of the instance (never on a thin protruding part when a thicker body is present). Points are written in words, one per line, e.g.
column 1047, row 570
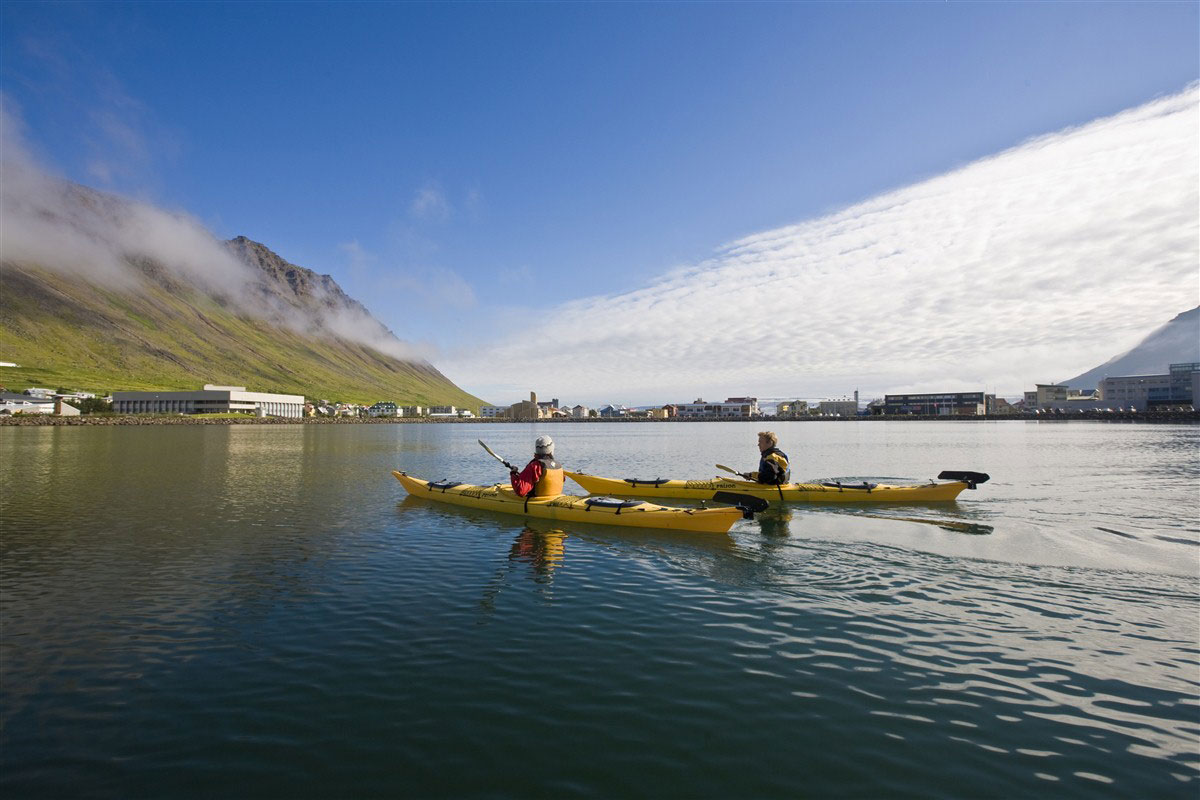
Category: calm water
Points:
column 258, row 611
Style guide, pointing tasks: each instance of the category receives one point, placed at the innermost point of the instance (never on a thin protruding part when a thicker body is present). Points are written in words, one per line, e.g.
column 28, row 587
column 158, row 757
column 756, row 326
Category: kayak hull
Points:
column 568, row 508
column 933, row 492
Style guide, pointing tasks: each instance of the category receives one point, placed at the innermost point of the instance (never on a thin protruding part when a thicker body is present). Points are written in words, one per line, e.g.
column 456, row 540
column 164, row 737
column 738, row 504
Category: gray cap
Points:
column 544, row 446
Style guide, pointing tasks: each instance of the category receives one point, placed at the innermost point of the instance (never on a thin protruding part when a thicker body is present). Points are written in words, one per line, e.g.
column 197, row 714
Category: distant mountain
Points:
column 101, row 294
column 1176, row 342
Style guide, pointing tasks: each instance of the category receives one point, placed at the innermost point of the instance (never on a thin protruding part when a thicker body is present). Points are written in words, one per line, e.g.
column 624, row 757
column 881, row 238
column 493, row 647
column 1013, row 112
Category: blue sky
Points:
column 469, row 169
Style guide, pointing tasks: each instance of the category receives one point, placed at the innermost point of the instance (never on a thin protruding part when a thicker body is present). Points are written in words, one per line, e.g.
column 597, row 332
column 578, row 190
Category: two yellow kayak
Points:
column 829, row 492
column 596, row 510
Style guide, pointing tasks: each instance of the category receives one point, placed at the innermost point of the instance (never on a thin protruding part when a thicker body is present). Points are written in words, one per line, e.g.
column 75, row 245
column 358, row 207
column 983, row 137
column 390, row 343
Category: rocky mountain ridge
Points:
column 308, row 289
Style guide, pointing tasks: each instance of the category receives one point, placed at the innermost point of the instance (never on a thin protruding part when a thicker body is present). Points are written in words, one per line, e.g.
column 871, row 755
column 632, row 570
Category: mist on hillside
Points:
column 100, row 238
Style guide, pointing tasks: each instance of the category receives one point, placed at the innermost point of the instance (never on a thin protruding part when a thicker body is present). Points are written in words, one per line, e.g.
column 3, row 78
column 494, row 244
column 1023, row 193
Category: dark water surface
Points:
column 258, row 611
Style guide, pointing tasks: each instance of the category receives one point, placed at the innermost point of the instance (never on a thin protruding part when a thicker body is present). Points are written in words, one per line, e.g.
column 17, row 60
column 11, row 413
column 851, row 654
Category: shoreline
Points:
column 48, row 420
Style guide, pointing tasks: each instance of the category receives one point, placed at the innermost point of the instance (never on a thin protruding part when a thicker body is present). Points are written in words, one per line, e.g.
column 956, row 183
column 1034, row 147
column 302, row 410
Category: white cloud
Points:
column 438, row 287
column 359, row 260
column 119, row 147
column 475, row 204
column 120, row 142
column 522, row 274
column 69, row 228
column 431, row 204
column 1034, row 264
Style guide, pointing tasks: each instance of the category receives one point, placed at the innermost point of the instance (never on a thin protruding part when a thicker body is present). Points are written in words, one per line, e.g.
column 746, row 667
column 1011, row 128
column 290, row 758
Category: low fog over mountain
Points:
column 1174, row 343
column 101, row 292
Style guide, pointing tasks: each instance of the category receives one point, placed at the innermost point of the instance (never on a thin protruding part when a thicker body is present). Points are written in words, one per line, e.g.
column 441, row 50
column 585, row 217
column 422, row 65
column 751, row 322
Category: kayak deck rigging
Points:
column 950, row 485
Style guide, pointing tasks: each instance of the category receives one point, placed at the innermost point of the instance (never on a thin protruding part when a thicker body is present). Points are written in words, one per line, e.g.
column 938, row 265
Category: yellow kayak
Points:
column 828, row 492
column 596, row 510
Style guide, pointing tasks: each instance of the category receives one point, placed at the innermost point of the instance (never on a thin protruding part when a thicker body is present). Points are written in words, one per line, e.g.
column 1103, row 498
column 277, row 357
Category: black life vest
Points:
column 773, row 467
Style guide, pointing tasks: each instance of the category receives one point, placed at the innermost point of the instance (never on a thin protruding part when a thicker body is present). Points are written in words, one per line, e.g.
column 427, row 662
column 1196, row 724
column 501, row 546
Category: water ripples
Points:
column 265, row 635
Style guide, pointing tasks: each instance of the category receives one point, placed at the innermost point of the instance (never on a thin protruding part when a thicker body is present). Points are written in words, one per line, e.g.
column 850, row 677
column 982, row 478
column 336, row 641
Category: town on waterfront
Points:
column 1169, row 395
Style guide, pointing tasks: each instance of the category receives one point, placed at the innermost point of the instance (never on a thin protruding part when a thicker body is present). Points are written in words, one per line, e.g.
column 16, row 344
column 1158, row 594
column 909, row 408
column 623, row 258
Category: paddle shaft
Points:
column 734, row 471
column 492, row 453
column 778, row 486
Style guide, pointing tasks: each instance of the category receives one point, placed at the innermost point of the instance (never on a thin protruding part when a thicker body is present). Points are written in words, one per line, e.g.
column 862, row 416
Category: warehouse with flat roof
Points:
column 942, row 404
column 211, row 400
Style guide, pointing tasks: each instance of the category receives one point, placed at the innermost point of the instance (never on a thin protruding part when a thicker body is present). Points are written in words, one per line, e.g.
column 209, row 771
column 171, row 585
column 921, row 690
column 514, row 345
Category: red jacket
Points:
column 523, row 482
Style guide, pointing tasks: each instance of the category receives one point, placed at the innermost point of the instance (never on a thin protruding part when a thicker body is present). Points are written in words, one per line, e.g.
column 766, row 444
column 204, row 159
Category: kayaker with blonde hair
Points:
column 773, row 468
column 542, row 476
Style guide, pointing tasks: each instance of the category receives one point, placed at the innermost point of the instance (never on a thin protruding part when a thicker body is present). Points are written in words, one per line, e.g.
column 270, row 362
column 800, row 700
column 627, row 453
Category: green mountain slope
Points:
column 165, row 334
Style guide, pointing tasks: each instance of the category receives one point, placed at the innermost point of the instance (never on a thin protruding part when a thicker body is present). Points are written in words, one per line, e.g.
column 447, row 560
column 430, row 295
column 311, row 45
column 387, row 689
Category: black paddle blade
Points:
column 749, row 505
column 971, row 479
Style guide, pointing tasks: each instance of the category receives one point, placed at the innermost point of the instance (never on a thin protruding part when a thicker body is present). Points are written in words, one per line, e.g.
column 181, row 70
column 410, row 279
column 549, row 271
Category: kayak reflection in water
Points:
column 542, row 476
column 773, row 468
column 775, row 521
column 543, row 550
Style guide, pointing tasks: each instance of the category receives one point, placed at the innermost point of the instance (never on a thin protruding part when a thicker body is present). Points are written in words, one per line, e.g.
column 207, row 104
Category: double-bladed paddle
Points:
column 492, row 453
column 734, row 471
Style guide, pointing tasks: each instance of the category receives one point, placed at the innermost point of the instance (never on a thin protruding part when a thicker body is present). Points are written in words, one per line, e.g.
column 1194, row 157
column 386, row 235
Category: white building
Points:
column 25, row 404
column 62, row 409
column 579, row 412
column 838, row 408
column 382, row 409
column 36, row 404
column 211, row 400
column 732, row 408
column 492, row 412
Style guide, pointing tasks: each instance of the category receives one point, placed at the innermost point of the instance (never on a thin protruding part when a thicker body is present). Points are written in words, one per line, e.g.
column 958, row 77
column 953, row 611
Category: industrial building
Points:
column 1045, row 395
column 1179, row 387
column 1060, row 397
column 211, row 400
column 945, row 404
column 527, row 410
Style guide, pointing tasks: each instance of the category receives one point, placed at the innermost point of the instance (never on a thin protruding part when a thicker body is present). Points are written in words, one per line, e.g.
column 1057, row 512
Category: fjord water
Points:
column 259, row 611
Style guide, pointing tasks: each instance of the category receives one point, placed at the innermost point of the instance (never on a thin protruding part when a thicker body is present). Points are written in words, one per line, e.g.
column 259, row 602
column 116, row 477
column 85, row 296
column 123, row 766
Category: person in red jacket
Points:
column 542, row 476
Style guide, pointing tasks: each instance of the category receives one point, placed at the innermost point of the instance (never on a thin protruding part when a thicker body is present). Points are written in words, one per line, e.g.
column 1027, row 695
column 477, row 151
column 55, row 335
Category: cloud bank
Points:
column 1028, row 266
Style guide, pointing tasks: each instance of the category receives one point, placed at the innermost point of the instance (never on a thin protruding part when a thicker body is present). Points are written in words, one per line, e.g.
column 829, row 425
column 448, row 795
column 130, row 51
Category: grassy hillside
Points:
column 66, row 332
